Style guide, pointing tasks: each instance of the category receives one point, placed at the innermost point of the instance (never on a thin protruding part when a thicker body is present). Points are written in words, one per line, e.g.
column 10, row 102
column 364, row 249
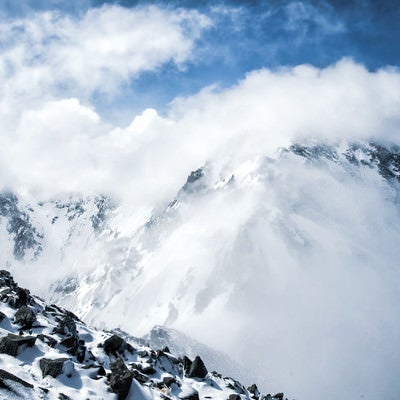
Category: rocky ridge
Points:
column 48, row 353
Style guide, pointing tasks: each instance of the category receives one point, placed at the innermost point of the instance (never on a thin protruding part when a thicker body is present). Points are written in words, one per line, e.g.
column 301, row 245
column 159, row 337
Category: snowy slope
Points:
column 283, row 262
column 48, row 353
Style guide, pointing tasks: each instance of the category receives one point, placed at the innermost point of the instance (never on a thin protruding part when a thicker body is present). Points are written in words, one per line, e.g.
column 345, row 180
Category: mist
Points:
column 288, row 265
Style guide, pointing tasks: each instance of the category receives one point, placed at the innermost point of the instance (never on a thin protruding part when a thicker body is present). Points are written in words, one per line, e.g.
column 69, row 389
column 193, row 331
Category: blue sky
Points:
column 248, row 35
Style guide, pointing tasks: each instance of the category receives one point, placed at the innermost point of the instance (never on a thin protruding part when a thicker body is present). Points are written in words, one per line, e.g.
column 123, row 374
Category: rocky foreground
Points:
column 48, row 353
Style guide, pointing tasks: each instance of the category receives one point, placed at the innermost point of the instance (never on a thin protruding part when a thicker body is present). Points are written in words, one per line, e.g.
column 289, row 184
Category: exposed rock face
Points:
column 7, row 376
column 114, row 344
column 120, row 379
column 10, row 344
column 13, row 386
column 253, row 389
column 197, row 369
column 19, row 225
column 24, row 226
column 52, row 367
column 24, row 317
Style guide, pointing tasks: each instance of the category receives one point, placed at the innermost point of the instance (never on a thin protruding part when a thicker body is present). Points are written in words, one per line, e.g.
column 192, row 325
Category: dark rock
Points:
column 253, row 389
column 197, row 369
column 52, row 367
column 2, row 316
column 62, row 396
column 7, row 376
column 20, row 227
column 114, row 344
column 5, row 278
column 66, row 326
column 166, row 349
column 148, row 370
column 137, row 366
column 80, row 353
column 278, row 396
column 71, row 343
column 11, row 343
column 144, row 353
column 169, row 380
column 234, row 396
column 139, row 377
column 24, row 317
column 195, row 175
column 130, row 348
column 187, row 363
column 101, row 371
column 120, row 379
column 23, row 297
column 50, row 341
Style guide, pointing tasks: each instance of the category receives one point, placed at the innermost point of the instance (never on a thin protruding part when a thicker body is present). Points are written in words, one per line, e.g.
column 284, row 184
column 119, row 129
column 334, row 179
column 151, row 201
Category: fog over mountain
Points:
column 258, row 215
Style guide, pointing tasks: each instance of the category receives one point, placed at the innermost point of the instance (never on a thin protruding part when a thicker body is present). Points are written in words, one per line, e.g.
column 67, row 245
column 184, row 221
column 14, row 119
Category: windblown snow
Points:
column 287, row 263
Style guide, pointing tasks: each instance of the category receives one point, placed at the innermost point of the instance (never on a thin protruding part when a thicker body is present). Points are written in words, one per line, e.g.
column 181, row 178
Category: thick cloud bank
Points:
column 264, row 111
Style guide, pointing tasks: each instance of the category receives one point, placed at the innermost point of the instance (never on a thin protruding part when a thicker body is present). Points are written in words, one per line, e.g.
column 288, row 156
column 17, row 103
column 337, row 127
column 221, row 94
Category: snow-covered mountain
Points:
column 298, row 251
column 48, row 353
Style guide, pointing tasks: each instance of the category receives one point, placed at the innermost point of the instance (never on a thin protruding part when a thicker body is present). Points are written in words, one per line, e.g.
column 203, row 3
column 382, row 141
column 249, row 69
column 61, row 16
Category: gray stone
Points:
column 52, row 367
column 11, row 343
column 24, row 317
column 197, row 369
column 120, row 379
column 114, row 344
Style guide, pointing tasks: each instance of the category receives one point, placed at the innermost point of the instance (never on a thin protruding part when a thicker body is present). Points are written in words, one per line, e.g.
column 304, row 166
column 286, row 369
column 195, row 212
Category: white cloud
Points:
column 48, row 55
column 267, row 109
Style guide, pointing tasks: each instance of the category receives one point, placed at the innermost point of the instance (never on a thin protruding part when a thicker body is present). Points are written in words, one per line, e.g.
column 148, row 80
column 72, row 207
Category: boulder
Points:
column 5, row 278
column 114, row 345
column 197, row 369
column 52, row 367
column 62, row 396
column 187, row 363
column 23, row 297
column 47, row 339
column 13, row 387
column 66, row 326
column 2, row 316
column 10, row 344
column 120, row 379
column 148, row 370
column 24, row 317
column 7, row 376
column 71, row 343
column 253, row 389
column 234, row 396
column 169, row 380
column 80, row 353
column 139, row 376
column 278, row 396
